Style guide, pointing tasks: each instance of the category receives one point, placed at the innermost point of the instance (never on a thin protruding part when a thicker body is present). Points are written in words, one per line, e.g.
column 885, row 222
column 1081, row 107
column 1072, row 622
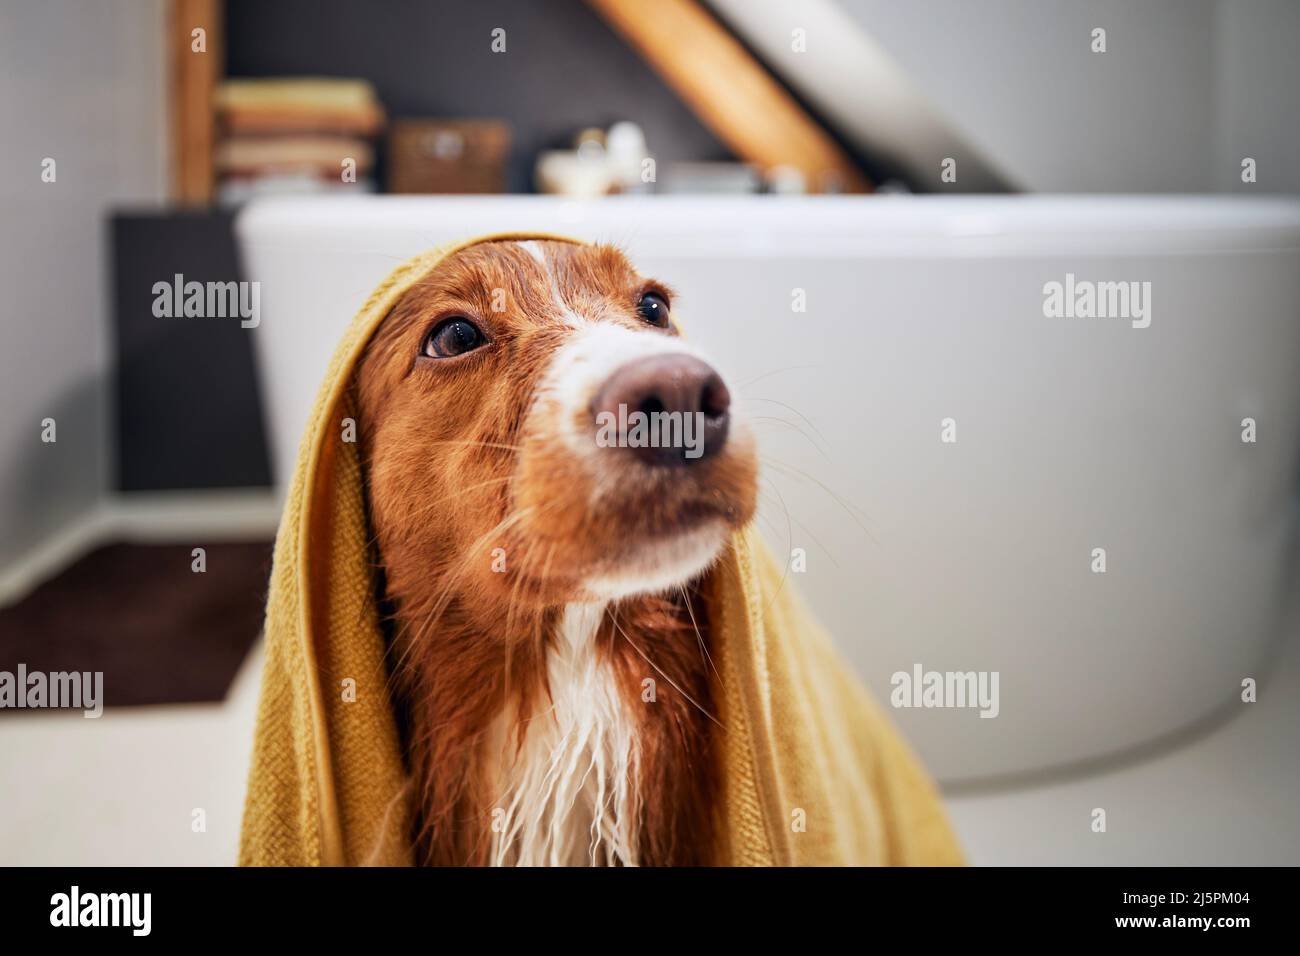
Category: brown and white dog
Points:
column 549, row 653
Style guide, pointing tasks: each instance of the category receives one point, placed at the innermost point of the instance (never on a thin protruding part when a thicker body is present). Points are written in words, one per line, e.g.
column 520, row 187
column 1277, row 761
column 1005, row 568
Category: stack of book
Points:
column 294, row 136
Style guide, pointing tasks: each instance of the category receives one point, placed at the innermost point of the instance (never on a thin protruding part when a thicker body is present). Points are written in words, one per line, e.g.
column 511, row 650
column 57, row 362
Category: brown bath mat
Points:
column 160, row 632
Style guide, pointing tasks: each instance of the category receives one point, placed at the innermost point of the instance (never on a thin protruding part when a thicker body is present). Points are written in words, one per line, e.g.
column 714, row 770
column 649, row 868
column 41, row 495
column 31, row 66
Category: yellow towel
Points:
column 813, row 774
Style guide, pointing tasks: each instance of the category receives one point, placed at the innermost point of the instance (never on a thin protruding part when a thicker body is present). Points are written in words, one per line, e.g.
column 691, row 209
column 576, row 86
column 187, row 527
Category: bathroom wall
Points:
column 1184, row 91
column 1258, row 93
column 82, row 84
column 1019, row 78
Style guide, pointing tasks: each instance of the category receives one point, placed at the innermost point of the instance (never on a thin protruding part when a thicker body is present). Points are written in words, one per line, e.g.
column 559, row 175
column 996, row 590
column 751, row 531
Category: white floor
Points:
column 1229, row 797
column 123, row 789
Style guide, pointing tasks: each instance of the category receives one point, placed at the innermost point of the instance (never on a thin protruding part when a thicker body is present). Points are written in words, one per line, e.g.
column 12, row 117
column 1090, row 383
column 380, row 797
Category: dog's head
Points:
column 535, row 428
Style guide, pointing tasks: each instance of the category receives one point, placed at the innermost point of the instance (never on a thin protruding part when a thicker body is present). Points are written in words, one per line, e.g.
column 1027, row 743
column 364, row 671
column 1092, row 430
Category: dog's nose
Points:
column 683, row 404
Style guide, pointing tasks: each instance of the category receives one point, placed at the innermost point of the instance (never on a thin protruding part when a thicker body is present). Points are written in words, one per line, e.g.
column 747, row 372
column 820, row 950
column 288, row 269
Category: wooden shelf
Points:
column 194, row 78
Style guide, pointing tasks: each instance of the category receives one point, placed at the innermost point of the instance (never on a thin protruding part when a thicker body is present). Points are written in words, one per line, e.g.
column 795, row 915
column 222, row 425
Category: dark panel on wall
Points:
column 187, row 409
column 563, row 69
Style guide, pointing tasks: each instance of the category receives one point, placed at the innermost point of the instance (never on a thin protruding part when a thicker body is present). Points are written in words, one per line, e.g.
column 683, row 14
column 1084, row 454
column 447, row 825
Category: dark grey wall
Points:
column 187, row 406
column 563, row 68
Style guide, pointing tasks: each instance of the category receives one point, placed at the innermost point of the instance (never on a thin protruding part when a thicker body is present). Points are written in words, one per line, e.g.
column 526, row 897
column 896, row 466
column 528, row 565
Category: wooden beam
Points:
column 730, row 91
column 194, row 77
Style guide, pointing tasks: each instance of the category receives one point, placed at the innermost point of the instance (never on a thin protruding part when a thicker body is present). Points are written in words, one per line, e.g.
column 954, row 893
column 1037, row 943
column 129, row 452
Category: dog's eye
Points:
column 654, row 309
column 452, row 337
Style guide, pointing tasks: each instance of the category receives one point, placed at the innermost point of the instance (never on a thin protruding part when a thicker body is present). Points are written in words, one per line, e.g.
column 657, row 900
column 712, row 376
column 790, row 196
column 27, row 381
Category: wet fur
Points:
column 461, row 458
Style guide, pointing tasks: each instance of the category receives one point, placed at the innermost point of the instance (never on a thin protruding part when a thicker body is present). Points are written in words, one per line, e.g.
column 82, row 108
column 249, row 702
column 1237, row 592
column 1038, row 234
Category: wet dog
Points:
column 539, row 542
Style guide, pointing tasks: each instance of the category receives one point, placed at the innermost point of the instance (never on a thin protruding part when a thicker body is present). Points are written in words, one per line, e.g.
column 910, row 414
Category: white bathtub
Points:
column 1072, row 433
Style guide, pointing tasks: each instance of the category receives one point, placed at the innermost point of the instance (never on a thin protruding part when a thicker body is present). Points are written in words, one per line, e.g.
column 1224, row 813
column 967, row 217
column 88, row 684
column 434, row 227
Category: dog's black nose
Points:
column 666, row 409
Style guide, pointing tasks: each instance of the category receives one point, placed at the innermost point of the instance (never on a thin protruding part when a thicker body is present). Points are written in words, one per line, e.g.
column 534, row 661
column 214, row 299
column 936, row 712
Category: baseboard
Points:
column 168, row 516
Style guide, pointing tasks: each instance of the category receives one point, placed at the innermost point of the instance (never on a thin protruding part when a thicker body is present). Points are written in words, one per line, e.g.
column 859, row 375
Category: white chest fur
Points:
column 570, row 796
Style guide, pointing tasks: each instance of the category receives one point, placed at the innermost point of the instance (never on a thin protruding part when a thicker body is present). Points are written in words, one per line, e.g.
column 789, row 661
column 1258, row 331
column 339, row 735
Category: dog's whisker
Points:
column 704, row 651
column 775, row 371
column 790, row 408
column 485, row 484
column 455, row 577
column 758, row 420
column 802, row 527
column 474, row 443
column 632, row 644
column 845, row 505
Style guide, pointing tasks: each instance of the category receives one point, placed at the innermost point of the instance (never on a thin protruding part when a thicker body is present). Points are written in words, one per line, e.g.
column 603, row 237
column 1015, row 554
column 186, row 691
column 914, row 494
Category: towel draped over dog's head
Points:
column 811, row 772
